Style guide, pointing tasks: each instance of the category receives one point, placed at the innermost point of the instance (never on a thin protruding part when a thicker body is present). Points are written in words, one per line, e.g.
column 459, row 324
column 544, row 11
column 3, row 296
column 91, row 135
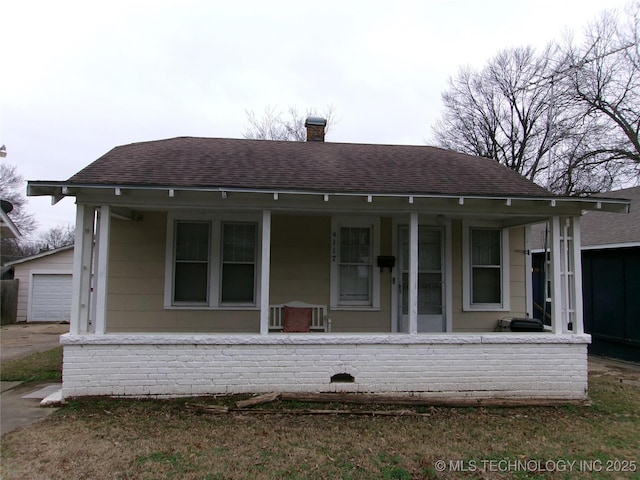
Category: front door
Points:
column 431, row 305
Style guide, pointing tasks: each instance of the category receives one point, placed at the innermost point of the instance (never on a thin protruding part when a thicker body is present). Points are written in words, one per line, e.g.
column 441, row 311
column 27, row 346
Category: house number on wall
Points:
column 334, row 247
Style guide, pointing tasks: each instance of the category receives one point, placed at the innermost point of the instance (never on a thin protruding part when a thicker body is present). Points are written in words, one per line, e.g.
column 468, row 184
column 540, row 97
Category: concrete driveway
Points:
column 22, row 339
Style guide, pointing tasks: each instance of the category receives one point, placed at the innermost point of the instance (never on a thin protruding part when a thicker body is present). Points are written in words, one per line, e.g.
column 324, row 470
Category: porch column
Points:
column 265, row 272
column 556, row 277
column 82, row 268
column 578, row 326
column 413, row 274
column 102, row 269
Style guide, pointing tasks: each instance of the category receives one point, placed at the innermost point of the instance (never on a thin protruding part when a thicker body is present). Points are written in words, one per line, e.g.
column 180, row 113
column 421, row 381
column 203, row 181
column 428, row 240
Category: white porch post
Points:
column 556, row 277
column 102, row 269
column 578, row 326
column 265, row 272
column 82, row 266
column 413, row 274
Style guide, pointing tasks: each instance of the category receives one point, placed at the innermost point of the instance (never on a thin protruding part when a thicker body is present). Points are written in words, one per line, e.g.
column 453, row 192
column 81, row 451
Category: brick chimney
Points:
column 315, row 129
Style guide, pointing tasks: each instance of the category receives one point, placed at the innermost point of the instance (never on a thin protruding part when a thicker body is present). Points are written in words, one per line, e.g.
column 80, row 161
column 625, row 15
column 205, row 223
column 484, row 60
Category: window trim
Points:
column 467, row 269
column 336, row 224
column 215, row 266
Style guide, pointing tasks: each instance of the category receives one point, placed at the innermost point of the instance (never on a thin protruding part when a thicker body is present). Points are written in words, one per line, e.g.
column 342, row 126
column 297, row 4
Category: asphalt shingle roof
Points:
column 602, row 228
column 304, row 166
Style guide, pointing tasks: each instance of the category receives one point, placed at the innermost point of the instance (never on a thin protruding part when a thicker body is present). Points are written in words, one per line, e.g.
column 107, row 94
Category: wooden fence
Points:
column 8, row 301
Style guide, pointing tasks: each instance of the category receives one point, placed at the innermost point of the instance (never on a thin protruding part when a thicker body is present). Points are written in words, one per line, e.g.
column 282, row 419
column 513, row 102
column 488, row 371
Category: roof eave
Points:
column 7, row 227
column 60, row 189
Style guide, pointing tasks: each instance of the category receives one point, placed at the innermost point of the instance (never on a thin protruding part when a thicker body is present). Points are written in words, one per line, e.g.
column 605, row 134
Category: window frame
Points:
column 216, row 222
column 467, row 267
column 337, row 223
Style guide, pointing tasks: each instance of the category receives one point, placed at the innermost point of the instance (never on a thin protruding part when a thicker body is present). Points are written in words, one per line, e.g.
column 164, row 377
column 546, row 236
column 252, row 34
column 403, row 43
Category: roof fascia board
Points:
column 58, row 190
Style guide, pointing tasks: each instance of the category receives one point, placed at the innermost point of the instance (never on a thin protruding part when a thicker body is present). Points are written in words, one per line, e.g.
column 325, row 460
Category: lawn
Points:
column 103, row 438
column 39, row 366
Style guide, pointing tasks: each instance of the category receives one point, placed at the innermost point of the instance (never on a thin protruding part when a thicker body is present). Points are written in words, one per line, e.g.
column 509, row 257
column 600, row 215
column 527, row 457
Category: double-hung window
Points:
column 355, row 265
column 485, row 265
column 238, row 263
column 355, row 281
column 191, row 270
column 211, row 263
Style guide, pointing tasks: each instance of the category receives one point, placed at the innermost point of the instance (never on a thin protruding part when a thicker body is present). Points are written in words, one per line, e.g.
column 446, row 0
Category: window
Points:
column 355, row 265
column 486, row 268
column 191, row 271
column 238, row 263
column 211, row 263
column 486, row 282
column 355, row 281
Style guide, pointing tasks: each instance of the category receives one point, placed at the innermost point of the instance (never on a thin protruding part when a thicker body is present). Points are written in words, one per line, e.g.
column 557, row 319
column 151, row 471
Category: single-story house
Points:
column 215, row 265
column 45, row 288
column 610, row 277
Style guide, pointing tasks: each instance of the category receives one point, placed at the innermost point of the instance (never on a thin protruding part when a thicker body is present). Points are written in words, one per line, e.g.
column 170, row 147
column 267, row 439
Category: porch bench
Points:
column 320, row 322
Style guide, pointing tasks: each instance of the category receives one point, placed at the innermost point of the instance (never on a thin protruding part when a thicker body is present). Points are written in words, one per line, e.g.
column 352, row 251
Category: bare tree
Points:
column 275, row 124
column 506, row 113
column 12, row 189
column 566, row 118
column 57, row 237
column 605, row 81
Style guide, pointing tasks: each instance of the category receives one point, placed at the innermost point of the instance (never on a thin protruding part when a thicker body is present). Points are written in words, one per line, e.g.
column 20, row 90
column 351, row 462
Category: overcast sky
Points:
column 80, row 77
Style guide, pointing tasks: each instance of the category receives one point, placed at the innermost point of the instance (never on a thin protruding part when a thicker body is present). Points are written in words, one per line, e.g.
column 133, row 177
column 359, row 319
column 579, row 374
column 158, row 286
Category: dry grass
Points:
column 127, row 439
column 39, row 366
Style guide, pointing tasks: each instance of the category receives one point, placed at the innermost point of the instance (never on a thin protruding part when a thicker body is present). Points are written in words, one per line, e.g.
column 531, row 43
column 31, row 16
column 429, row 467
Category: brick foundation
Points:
column 473, row 366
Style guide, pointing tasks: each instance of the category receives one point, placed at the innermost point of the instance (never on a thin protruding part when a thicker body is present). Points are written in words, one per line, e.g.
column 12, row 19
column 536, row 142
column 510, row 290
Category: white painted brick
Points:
column 467, row 369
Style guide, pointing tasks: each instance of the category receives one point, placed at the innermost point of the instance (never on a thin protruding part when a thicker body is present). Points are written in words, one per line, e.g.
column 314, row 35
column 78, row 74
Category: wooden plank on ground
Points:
column 259, row 400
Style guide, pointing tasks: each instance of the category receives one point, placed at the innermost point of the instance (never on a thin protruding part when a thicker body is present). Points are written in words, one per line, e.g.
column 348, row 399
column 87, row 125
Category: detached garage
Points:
column 50, row 297
column 45, row 288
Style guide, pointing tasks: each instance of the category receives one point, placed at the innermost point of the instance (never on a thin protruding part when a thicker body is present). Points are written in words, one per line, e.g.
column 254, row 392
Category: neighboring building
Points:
column 228, row 266
column 44, row 292
column 610, row 277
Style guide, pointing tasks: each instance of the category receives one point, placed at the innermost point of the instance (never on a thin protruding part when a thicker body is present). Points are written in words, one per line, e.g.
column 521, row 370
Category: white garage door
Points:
column 51, row 298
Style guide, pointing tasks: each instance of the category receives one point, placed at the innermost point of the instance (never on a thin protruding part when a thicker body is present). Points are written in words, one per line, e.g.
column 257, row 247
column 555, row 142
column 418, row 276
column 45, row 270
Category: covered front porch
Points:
column 410, row 273
column 414, row 325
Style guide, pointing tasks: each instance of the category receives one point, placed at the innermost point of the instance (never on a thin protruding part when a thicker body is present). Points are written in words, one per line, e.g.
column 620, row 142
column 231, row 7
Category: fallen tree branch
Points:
column 259, row 400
